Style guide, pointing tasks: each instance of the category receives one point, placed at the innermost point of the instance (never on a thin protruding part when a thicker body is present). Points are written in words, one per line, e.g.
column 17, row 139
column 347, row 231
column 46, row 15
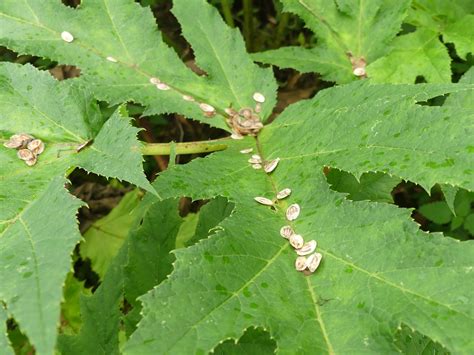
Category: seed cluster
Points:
column 246, row 121
column 28, row 147
column 307, row 260
column 358, row 65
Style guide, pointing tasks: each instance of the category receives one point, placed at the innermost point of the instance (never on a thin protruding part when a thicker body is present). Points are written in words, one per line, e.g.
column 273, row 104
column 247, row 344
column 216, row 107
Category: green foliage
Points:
column 368, row 29
column 383, row 286
column 4, row 343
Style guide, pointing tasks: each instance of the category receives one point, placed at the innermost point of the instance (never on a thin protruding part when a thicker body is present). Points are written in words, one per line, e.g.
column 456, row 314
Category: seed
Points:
column 208, row 110
column 254, row 161
column 31, row 162
column 258, row 97
column 25, row 154
column 300, row 263
column 155, row 81
column 271, row 165
column 313, row 262
column 286, row 232
column 257, row 166
column 256, row 156
column 307, row 248
column 258, row 108
column 283, row 194
column 246, row 112
column 66, row 36
column 36, row 146
column 296, row 241
column 246, row 151
column 236, row 135
column 359, row 71
column 162, row 86
column 15, row 141
column 264, row 201
column 293, row 212
column 230, row 111
column 188, row 98
column 111, row 59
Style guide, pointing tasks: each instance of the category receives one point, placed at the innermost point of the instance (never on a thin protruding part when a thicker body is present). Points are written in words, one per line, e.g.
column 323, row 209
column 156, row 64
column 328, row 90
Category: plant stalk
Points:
column 248, row 23
column 184, row 148
column 227, row 12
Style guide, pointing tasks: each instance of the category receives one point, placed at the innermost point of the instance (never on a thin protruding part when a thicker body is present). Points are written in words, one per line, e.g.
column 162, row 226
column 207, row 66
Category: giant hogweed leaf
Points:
column 37, row 219
column 363, row 27
column 379, row 270
column 127, row 32
column 4, row 342
column 454, row 20
column 414, row 54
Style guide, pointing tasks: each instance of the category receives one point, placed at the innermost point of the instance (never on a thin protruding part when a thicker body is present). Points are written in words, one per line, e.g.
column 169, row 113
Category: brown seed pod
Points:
column 271, row 165
column 293, row 211
column 155, row 81
column 67, row 37
column 264, row 201
column 313, row 262
column 258, row 97
column 188, row 98
column 286, row 232
column 36, row 146
column 300, row 263
column 307, row 248
column 283, row 194
column 296, row 241
column 257, row 166
column 31, row 162
column 25, row 154
column 162, row 86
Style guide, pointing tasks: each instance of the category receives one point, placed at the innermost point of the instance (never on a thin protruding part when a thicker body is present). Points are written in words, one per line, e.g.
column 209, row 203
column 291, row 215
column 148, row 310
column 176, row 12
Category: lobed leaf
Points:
column 4, row 342
column 125, row 32
column 379, row 270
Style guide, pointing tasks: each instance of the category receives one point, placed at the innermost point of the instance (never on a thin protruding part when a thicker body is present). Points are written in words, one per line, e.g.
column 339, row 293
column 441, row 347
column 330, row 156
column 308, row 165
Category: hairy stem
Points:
column 185, row 148
column 227, row 12
column 248, row 23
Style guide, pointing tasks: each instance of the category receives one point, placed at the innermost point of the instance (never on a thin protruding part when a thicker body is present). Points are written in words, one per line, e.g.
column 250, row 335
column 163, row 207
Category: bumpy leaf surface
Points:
column 363, row 28
column 38, row 225
column 379, row 270
column 127, row 33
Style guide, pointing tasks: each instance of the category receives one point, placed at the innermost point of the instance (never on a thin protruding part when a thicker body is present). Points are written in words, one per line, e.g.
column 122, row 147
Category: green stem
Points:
column 227, row 11
column 184, row 148
column 248, row 18
column 282, row 25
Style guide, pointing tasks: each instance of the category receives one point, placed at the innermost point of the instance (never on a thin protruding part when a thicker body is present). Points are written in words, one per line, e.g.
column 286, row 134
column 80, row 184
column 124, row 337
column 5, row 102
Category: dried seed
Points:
column 300, row 263
column 155, row 81
column 264, row 201
column 283, row 194
column 188, row 98
column 246, row 112
column 66, row 36
column 111, row 59
column 246, row 151
column 313, row 262
column 230, row 111
column 36, row 146
column 256, row 156
column 253, row 161
column 15, row 141
column 25, row 154
column 307, row 248
column 31, row 162
column 236, row 135
column 257, row 166
column 286, row 232
column 293, row 212
column 271, row 165
column 258, row 97
column 359, row 72
column 208, row 110
column 258, row 108
column 296, row 241
column 162, row 86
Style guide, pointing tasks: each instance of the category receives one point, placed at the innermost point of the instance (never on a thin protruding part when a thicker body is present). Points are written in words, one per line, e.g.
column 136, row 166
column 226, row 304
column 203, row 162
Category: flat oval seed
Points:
column 283, row 194
column 206, row 107
column 313, row 262
column 257, row 157
column 188, row 98
column 254, row 161
column 155, row 81
column 271, row 165
column 300, row 263
column 111, row 59
column 36, row 146
column 258, row 97
column 257, row 166
column 162, row 86
column 246, row 151
column 31, row 162
column 264, row 201
column 293, row 212
column 15, row 141
column 359, row 72
column 25, row 154
column 236, row 135
column 286, row 232
column 66, row 36
column 307, row 248
column 296, row 241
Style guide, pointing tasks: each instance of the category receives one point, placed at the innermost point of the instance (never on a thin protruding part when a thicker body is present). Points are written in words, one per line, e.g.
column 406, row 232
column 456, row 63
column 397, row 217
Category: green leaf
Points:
column 35, row 258
column 453, row 19
column 378, row 271
column 450, row 193
column 123, row 30
column 363, row 28
column 469, row 223
column 105, row 236
column 254, row 341
column 414, row 54
column 463, row 99
column 375, row 187
column 70, row 308
column 437, row 212
column 37, row 219
column 4, row 342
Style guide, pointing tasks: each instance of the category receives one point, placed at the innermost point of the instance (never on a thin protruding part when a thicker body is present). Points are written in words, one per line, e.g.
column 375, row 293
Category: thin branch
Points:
column 185, row 148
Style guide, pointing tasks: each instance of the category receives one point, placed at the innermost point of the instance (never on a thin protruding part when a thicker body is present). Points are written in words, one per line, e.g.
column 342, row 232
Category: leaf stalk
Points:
column 184, row 148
